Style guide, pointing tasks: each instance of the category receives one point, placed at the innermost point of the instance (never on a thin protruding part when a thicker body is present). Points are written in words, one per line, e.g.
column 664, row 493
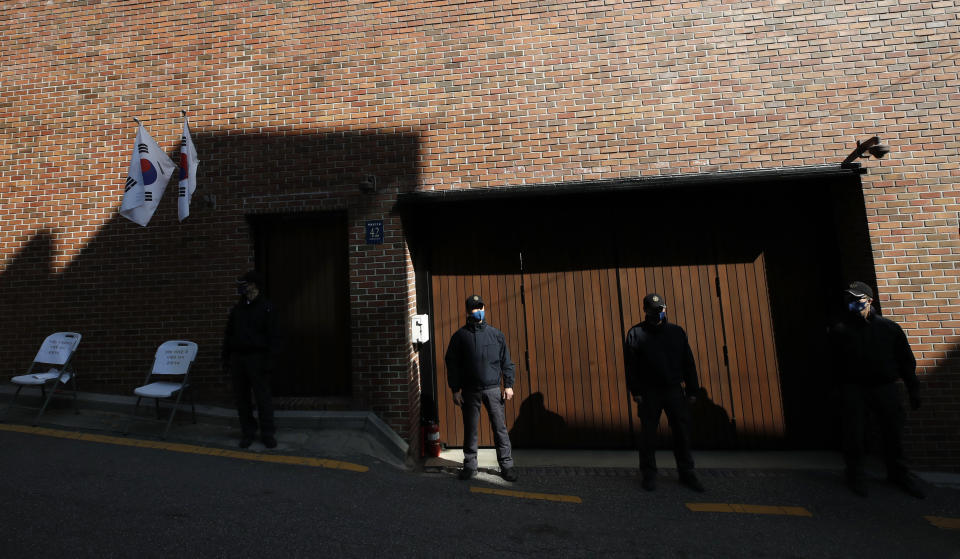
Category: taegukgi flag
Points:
column 188, row 172
column 150, row 171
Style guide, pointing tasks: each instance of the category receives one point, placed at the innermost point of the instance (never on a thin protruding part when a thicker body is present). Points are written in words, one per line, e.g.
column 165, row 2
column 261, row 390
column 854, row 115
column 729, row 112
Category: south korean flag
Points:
column 188, row 172
column 150, row 171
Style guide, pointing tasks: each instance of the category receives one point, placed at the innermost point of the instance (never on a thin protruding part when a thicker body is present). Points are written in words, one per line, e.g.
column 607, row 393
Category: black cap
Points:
column 653, row 301
column 474, row 302
column 859, row 289
column 252, row 276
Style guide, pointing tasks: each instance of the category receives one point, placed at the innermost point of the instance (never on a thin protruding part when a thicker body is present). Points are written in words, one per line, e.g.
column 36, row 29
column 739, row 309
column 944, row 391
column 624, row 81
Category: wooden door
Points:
column 711, row 271
column 305, row 262
column 757, row 404
column 739, row 401
column 576, row 396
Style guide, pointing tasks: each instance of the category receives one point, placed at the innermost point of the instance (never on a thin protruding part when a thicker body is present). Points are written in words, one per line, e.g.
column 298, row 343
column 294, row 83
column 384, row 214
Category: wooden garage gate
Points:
column 564, row 298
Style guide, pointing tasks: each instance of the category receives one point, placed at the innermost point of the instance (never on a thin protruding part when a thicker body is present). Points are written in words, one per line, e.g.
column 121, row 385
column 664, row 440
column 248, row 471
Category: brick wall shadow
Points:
column 132, row 287
column 932, row 435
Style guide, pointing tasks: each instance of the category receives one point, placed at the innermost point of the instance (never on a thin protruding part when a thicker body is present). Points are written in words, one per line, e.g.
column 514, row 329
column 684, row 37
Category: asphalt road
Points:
column 74, row 498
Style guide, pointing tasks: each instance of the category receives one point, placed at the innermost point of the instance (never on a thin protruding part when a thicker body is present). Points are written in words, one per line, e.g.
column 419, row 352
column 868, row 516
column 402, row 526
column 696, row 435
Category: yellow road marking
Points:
column 525, row 495
column 187, row 448
column 944, row 522
column 748, row 509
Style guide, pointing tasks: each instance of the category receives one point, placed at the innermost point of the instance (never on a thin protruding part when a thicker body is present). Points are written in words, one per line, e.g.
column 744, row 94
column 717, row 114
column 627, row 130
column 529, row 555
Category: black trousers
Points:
column 490, row 399
column 672, row 401
column 251, row 373
column 884, row 402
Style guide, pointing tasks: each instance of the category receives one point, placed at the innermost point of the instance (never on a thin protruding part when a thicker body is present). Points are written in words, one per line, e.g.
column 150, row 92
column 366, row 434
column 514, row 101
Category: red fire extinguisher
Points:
column 431, row 439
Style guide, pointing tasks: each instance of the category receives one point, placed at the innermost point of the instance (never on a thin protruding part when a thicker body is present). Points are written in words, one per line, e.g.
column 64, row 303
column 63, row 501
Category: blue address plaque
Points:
column 375, row 232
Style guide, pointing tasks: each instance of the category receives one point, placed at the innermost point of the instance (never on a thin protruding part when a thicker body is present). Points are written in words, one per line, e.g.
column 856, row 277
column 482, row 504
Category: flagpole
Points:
column 137, row 120
column 183, row 113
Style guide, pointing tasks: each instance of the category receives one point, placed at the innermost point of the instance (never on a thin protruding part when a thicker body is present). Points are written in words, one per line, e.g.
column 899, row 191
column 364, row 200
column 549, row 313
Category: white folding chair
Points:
column 55, row 355
column 172, row 362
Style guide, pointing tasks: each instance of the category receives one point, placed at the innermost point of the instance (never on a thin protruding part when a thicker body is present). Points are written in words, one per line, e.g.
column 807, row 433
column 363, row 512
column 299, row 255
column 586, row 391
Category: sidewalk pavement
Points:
column 323, row 434
column 594, row 461
column 344, row 434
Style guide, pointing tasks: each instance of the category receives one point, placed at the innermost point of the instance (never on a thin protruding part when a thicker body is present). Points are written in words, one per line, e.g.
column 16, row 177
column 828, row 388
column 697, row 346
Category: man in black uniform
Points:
column 868, row 354
column 477, row 358
column 660, row 370
column 250, row 348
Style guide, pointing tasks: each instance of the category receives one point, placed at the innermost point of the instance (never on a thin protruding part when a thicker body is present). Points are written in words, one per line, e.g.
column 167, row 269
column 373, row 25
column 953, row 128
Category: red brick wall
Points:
column 294, row 103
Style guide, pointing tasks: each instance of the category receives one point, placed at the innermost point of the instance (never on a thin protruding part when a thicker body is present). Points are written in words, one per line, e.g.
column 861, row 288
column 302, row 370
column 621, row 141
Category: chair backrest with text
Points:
column 174, row 357
column 58, row 348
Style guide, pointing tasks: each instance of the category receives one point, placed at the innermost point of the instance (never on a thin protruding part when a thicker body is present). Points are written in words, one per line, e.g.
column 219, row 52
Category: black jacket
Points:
column 252, row 328
column 658, row 356
column 477, row 357
column 872, row 352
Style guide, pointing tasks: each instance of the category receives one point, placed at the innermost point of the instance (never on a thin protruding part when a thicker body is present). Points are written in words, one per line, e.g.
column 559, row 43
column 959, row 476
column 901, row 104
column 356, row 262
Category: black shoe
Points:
column 509, row 474
column 858, row 485
column 269, row 441
column 649, row 482
column 467, row 473
column 690, row 480
column 246, row 441
column 909, row 485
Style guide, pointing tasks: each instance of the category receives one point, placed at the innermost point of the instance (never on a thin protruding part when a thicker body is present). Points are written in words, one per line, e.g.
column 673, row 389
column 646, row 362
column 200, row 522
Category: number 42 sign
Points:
column 375, row 232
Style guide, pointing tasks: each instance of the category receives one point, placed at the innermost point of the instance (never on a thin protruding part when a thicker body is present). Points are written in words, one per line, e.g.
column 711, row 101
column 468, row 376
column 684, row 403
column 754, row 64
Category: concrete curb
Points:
column 394, row 447
column 365, row 421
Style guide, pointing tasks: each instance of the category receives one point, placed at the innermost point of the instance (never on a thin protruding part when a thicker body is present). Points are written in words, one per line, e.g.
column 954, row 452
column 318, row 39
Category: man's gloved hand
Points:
column 914, row 401
column 458, row 398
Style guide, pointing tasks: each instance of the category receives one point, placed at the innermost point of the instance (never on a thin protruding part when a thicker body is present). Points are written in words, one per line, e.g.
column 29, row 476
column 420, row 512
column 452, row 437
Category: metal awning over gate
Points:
column 412, row 202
